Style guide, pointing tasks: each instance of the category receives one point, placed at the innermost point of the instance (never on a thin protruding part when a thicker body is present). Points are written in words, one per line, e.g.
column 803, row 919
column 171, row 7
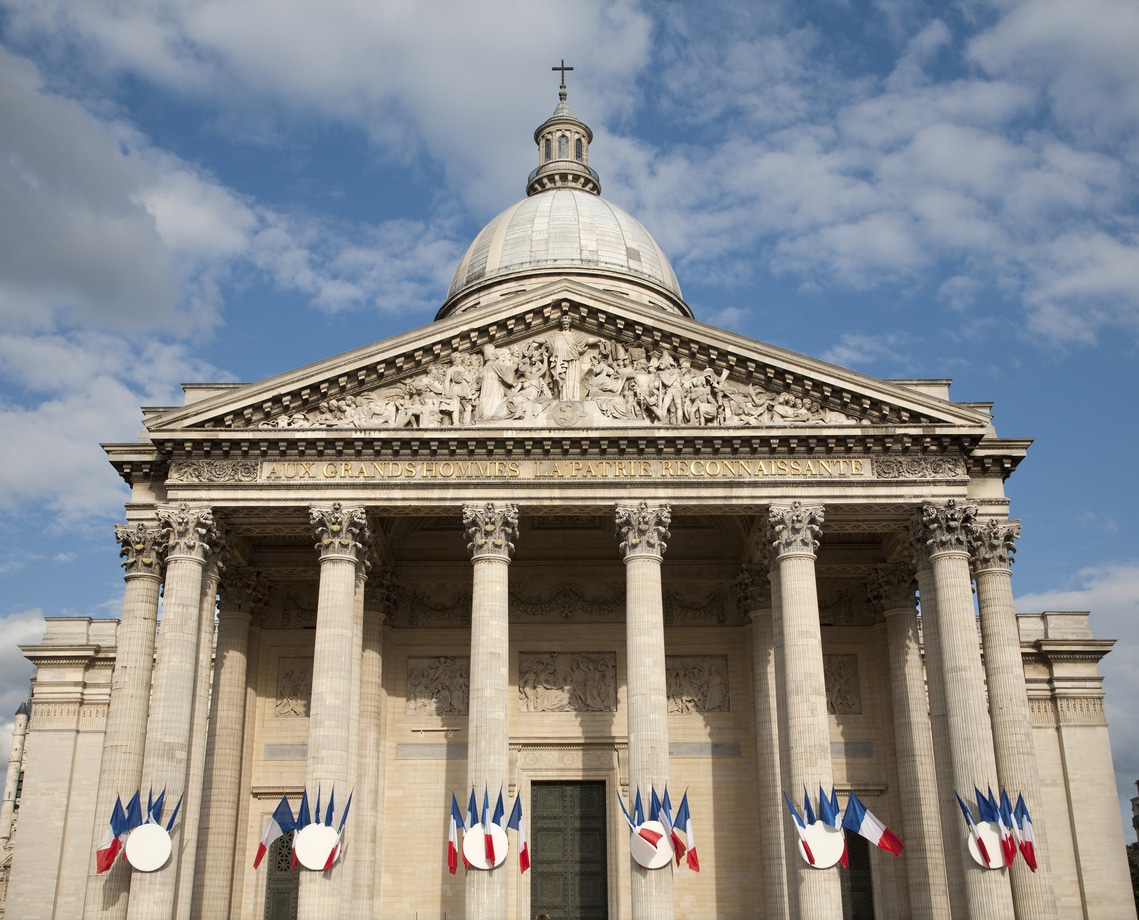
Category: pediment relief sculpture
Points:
column 563, row 378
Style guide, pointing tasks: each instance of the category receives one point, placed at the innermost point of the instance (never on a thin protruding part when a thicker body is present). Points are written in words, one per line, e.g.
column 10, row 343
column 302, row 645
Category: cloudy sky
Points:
column 200, row 190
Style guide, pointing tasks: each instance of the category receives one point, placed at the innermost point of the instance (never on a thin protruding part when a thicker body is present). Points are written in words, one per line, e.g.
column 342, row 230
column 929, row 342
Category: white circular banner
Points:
column 826, row 843
column 990, row 833
column 474, row 847
column 647, row 854
column 313, row 844
column 148, row 847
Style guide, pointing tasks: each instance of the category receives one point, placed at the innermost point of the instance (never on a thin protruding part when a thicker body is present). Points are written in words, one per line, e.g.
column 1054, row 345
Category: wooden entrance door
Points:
column 568, row 874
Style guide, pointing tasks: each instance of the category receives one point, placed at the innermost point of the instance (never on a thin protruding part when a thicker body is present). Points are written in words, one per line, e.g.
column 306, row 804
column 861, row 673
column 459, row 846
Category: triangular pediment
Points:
column 566, row 355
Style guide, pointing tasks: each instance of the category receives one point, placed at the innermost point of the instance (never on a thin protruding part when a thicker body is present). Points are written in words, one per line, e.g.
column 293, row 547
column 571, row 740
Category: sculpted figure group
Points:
column 522, row 383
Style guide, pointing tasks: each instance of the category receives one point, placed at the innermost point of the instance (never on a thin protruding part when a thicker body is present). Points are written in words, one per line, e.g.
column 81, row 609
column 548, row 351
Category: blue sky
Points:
column 196, row 190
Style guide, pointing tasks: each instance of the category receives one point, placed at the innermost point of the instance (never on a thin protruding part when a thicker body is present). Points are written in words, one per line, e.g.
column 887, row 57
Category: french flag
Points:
column 800, row 829
column 973, row 831
column 110, row 845
column 861, row 820
column 279, row 824
column 488, row 840
column 1027, row 835
column 519, row 825
column 666, row 819
column 334, row 853
column 649, row 836
column 829, row 815
column 453, row 836
column 304, row 819
column 1009, row 830
column 684, row 816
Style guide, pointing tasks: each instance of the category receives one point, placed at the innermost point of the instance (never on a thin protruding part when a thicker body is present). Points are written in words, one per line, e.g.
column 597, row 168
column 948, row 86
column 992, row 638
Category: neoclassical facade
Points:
column 569, row 542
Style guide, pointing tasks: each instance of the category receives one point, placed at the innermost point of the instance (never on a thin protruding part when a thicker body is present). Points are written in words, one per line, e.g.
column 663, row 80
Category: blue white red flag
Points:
column 654, row 805
column 808, row 811
column 174, row 813
column 645, row 833
column 334, row 853
column 453, row 836
column 1027, row 835
column 830, row 815
column 684, row 817
column 488, row 839
column 516, row 823
column 638, row 809
column 678, row 847
column 472, row 811
column 861, row 820
column 800, row 829
column 134, row 812
column 328, row 814
column 316, row 811
column 110, row 845
column 1009, row 830
column 304, row 819
column 499, row 817
column 154, row 809
column 973, row 830
column 280, row 823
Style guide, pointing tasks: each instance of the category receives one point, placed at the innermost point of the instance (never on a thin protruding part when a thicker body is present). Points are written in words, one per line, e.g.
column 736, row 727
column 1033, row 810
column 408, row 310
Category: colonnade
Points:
column 974, row 730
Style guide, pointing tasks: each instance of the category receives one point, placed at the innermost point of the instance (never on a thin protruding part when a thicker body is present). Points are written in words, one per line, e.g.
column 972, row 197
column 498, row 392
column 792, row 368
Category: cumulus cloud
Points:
column 1111, row 593
column 23, row 628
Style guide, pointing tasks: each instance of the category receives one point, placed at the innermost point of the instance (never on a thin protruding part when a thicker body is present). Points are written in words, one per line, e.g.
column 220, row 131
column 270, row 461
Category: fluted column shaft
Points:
column 892, row 591
column 490, row 530
column 793, row 532
column 993, row 546
column 987, row 893
column 241, row 592
column 124, row 741
column 755, row 598
column 642, row 531
column 12, row 777
column 343, row 539
column 190, row 533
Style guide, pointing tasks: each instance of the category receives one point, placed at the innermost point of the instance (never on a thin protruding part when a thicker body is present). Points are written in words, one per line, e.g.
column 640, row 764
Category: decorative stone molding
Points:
column 567, row 682
column 423, row 611
column 1080, row 710
column 643, row 530
column 438, row 686
column 753, row 589
column 245, row 590
column 214, row 471
column 697, row 683
column 892, row 587
column 567, row 601
column 188, row 531
column 993, row 544
column 491, row 529
column 142, row 549
column 840, row 674
column 946, row 527
column 385, row 592
column 295, row 609
column 919, row 467
column 682, row 610
column 294, row 687
column 794, row 528
column 341, row 532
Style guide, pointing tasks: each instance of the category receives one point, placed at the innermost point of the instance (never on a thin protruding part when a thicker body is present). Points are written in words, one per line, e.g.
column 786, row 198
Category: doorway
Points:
column 569, row 868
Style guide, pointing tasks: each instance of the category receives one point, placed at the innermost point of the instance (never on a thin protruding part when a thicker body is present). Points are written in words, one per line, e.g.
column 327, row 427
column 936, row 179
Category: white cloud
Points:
column 23, row 628
column 857, row 349
column 1111, row 593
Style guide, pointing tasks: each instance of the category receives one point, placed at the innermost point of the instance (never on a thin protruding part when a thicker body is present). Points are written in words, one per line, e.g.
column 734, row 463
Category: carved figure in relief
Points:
column 499, row 374
column 696, row 684
column 294, row 687
column 460, row 390
column 438, row 686
column 671, row 398
column 582, row 682
column 566, row 349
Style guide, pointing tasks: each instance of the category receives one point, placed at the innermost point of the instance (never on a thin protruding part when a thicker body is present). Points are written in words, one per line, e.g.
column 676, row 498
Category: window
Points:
column 563, row 147
column 577, row 149
column 549, row 150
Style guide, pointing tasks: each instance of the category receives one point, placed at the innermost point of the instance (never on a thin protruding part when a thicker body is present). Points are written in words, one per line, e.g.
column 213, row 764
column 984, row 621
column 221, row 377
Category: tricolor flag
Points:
column 666, row 819
column 316, row 811
column 488, row 840
column 334, row 853
column 110, row 845
column 800, row 829
column 174, row 813
column 973, row 831
column 861, row 820
column 1009, row 830
column 1027, row 835
column 808, row 811
column 328, row 814
column 280, row 823
column 684, row 817
column 453, row 836
column 829, row 815
column 654, row 806
column 154, row 809
column 990, row 812
column 472, row 811
column 650, row 836
column 638, row 809
column 519, row 825
column 304, row 819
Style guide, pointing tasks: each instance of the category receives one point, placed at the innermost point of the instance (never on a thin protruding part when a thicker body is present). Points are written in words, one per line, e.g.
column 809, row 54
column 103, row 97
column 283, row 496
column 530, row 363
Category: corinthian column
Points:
column 343, row 540
column 755, row 598
column 642, row 531
column 143, row 550
column 189, row 534
column 793, row 532
column 993, row 545
column 987, row 892
column 243, row 592
column 491, row 530
column 890, row 590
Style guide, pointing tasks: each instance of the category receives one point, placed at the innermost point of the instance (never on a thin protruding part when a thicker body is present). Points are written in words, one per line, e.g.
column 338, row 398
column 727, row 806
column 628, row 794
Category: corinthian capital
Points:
column 993, row 544
column 491, row 529
column 188, row 531
column 340, row 531
column 891, row 587
column 754, row 588
column 946, row 526
column 142, row 549
column 794, row 528
column 643, row 529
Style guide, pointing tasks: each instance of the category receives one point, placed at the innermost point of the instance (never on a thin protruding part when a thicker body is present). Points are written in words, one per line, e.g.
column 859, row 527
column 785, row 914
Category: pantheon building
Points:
column 568, row 542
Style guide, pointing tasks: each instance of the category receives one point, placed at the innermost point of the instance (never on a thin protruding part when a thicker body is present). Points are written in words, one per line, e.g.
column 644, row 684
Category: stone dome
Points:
column 564, row 229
